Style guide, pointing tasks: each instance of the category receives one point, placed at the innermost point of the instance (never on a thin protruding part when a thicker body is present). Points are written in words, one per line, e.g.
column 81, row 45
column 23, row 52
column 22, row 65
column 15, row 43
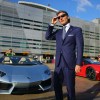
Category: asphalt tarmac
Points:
column 85, row 90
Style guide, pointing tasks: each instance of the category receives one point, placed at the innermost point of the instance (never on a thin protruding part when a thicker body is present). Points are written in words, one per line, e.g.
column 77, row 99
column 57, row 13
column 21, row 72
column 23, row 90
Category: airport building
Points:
column 23, row 26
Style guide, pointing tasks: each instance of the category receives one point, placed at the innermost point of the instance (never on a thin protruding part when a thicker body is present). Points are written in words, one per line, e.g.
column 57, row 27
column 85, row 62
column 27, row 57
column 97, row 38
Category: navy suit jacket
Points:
column 71, row 47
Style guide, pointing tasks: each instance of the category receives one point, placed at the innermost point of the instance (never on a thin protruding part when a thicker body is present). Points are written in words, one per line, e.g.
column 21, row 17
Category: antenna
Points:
column 49, row 3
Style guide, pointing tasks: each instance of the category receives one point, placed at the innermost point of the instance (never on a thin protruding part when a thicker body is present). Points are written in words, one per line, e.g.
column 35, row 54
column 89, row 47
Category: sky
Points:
column 83, row 9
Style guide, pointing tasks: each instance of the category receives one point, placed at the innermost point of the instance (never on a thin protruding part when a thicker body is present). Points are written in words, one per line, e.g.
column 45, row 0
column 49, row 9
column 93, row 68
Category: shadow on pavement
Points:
column 90, row 94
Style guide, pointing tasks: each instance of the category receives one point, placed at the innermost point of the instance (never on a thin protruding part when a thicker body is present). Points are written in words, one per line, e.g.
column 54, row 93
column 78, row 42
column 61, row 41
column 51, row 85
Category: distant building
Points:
column 23, row 27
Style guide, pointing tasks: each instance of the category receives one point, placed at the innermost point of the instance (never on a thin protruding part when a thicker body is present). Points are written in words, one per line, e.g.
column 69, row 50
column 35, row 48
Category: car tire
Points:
column 90, row 73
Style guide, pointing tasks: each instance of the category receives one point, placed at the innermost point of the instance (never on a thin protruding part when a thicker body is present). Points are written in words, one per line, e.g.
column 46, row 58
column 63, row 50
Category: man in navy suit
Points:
column 69, row 52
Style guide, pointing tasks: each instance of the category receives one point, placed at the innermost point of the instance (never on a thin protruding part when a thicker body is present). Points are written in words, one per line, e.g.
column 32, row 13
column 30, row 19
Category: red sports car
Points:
column 90, row 69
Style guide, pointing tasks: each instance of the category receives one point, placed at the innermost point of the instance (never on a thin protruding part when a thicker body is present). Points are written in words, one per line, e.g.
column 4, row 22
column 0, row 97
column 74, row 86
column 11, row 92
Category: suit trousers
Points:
column 66, row 76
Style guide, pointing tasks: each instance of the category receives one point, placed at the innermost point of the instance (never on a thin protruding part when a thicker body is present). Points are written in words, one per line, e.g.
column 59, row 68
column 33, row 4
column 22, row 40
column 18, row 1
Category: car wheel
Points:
column 90, row 73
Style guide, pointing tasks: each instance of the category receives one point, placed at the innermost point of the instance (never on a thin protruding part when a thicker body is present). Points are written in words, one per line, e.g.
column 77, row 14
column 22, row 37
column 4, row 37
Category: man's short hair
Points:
column 62, row 11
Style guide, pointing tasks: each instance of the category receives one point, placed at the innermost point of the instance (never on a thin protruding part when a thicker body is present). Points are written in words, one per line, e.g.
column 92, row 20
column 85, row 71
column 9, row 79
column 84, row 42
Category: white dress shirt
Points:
column 67, row 27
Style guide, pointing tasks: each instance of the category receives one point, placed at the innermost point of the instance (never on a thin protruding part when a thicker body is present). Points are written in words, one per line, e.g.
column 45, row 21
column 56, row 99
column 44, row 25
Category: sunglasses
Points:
column 61, row 16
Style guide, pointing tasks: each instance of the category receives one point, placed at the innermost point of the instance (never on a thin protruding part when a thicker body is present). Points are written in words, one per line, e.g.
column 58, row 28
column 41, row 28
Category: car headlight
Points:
column 47, row 71
column 2, row 74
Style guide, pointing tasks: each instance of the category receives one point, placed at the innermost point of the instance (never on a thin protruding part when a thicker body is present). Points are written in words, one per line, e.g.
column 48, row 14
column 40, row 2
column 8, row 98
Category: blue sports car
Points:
column 20, row 74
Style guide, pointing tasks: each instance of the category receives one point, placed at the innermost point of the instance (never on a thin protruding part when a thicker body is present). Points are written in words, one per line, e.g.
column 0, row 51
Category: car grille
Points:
column 33, row 87
column 26, row 90
column 5, row 86
column 46, row 83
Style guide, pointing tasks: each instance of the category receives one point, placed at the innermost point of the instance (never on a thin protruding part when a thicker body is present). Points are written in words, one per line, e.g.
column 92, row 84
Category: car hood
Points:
column 23, row 74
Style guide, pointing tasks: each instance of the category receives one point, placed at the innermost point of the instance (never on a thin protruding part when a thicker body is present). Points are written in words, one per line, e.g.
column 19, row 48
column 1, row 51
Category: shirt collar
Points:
column 67, row 25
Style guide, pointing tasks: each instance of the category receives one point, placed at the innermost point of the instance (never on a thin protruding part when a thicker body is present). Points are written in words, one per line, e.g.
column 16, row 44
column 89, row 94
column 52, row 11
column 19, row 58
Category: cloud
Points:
column 98, row 7
column 81, row 4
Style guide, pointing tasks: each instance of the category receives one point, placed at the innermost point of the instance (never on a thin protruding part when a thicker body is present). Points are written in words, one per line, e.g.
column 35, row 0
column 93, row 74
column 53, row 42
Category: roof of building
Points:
column 36, row 5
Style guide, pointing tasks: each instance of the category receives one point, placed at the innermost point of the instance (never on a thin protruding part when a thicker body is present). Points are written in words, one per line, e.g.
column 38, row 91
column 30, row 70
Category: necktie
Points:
column 64, row 32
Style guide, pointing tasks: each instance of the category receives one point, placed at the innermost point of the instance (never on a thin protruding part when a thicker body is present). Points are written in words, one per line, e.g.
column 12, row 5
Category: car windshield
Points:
column 16, row 60
column 90, row 61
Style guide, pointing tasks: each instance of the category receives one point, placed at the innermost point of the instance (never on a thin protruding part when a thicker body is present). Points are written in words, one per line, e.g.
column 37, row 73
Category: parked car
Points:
column 19, row 74
column 90, row 69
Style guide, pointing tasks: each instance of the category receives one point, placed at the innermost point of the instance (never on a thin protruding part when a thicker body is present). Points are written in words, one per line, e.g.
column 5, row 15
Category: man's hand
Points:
column 54, row 20
column 77, row 68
